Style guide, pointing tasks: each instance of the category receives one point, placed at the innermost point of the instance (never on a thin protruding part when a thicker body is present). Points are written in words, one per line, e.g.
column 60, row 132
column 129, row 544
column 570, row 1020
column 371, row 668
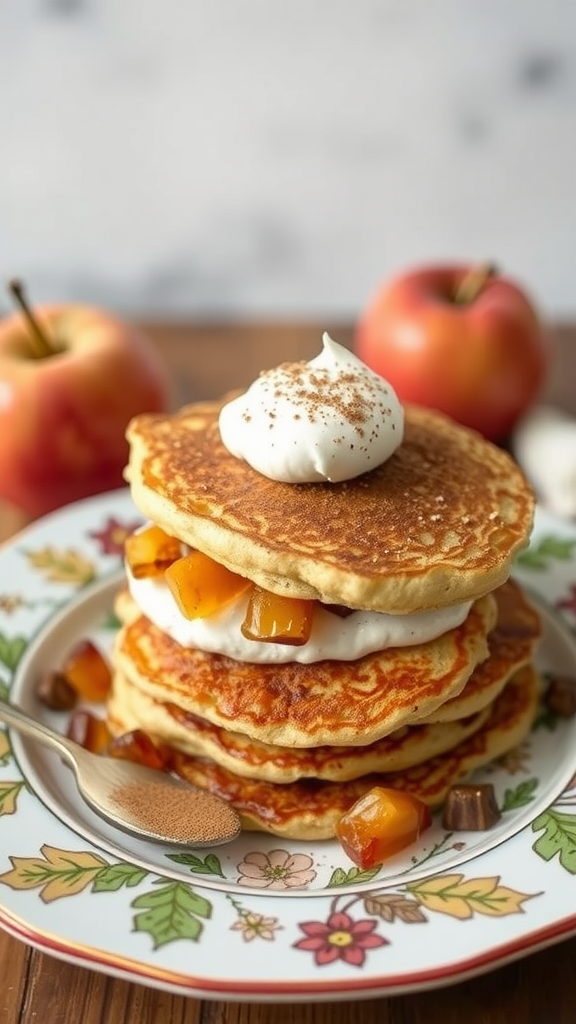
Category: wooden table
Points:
column 206, row 361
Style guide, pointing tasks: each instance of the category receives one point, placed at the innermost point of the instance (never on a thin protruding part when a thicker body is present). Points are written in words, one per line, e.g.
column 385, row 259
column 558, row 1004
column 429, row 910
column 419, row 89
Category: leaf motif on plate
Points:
column 62, row 565
column 56, row 873
column 171, row 912
column 209, row 865
column 114, row 877
column 11, row 650
column 463, row 897
column 394, row 906
column 545, row 550
column 5, row 748
column 111, row 622
column 9, row 792
column 354, row 874
column 520, row 796
column 559, row 838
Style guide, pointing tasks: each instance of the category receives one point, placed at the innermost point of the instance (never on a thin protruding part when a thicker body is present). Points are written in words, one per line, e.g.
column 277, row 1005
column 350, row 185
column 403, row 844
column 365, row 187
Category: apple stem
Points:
column 42, row 344
column 472, row 283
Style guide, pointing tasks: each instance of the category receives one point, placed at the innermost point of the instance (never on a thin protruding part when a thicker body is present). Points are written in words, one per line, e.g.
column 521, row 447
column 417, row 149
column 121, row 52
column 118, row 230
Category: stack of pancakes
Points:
column 293, row 744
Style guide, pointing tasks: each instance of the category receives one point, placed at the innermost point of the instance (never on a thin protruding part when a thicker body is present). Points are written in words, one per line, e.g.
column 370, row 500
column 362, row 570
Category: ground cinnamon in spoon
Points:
column 177, row 814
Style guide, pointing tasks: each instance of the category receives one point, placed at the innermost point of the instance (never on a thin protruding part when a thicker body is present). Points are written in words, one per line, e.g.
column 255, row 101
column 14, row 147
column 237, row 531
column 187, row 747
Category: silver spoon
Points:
column 147, row 803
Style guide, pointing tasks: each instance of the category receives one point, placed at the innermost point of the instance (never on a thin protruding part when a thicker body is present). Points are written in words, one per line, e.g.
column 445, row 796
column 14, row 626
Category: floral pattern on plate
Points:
column 70, row 884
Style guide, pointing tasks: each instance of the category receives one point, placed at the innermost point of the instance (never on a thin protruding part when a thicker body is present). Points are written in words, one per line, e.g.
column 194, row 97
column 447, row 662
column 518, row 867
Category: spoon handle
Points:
column 18, row 719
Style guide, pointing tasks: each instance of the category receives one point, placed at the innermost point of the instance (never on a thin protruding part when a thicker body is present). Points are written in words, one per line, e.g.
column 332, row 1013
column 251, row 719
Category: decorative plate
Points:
column 263, row 918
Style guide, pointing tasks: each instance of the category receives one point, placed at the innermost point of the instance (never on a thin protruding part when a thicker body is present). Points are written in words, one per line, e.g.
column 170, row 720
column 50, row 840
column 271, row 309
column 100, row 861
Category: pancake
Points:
column 438, row 523
column 511, row 641
column 305, row 705
column 166, row 724
column 292, row 744
column 310, row 809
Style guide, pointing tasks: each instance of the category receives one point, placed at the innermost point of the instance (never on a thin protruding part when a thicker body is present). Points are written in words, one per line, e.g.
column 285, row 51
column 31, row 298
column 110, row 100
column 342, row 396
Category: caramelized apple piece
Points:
column 56, row 692
column 276, row 619
column 380, row 824
column 87, row 671
column 88, row 731
column 201, row 586
column 151, row 551
column 136, row 746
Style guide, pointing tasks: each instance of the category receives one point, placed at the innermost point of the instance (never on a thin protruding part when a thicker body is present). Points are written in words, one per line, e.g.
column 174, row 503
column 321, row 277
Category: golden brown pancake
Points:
column 511, row 642
column 310, row 809
column 167, row 724
column 293, row 745
column 436, row 524
column 294, row 705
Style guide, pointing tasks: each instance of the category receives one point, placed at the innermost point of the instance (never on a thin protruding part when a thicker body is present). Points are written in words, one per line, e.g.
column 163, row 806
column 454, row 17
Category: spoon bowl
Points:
column 144, row 802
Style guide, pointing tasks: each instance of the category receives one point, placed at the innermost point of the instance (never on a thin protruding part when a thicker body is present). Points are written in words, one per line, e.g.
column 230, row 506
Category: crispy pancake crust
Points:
column 130, row 708
column 310, row 809
column 328, row 702
column 438, row 523
column 512, row 644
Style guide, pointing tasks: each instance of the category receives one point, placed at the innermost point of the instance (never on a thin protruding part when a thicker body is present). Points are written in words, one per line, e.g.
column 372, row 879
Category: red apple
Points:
column 465, row 340
column 64, row 410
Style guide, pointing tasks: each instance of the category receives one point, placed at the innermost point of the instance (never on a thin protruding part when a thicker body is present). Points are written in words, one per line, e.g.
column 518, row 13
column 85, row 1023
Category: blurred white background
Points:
column 217, row 158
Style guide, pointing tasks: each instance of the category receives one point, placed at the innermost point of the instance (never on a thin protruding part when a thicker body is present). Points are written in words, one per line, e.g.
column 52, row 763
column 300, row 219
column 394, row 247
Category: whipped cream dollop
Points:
column 341, row 639
column 327, row 420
